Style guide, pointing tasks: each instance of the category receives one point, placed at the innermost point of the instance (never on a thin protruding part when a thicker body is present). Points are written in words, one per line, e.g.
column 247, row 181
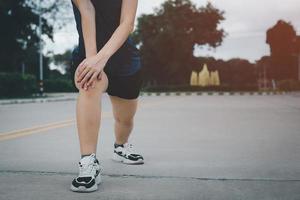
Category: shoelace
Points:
column 88, row 168
column 129, row 149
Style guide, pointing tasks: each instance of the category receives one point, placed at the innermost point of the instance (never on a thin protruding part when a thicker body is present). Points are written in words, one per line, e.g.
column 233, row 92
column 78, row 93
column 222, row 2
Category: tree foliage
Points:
column 282, row 39
column 235, row 72
column 19, row 39
column 168, row 37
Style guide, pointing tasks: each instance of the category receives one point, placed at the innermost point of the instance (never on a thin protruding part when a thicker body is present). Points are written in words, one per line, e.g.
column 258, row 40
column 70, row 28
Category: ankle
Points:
column 119, row 144
column 87, row 154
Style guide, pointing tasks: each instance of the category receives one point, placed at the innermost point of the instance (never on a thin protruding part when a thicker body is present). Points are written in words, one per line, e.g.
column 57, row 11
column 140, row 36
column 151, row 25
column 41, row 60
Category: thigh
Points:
column 123, row 109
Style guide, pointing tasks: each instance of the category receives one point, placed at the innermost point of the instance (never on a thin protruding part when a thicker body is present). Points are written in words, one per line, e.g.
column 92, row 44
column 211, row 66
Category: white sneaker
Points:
column 126, row 154
column 89, row 175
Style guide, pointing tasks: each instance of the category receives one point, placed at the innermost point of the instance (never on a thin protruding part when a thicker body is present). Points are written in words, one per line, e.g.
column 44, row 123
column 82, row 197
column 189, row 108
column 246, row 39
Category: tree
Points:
column 19, row 36
column 282, row 39
column 241, row 72
column 168, row 37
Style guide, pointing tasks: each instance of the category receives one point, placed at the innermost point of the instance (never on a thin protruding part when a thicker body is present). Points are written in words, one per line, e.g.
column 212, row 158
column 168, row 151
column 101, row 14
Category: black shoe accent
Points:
column 119, row 153
column 134, row 157
column 84, row 179
column 118, row 145
column 88, row 182
column 97, row 173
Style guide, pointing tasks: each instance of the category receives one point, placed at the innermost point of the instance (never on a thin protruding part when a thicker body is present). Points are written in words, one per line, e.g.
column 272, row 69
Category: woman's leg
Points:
column 88, row 114
column 123, row 111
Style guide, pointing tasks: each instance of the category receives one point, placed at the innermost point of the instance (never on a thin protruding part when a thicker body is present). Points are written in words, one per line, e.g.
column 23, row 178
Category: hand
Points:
column 89, row 70
column 92, row 85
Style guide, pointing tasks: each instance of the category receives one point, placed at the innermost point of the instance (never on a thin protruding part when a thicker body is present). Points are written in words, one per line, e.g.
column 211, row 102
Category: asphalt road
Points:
column 195, row 147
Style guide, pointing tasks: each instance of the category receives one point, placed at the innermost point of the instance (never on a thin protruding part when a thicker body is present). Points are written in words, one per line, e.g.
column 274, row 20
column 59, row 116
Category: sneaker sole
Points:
column 84, row 189
column 117, row 158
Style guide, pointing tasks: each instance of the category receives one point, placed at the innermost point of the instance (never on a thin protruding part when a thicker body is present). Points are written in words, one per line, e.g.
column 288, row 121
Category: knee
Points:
column 99, row 87
column 124, row 122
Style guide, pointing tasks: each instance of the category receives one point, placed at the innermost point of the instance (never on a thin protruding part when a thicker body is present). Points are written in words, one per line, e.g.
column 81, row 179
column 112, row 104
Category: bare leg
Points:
column 124, row 111
column 88, row 114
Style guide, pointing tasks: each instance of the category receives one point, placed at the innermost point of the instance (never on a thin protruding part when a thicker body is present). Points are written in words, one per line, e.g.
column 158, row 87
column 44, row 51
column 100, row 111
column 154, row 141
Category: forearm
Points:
column 88, row 23
column 120, row 35
column 116, row 41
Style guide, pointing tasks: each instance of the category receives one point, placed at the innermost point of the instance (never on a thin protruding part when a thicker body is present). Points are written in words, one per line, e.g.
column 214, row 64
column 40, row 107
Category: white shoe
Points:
column 89, row 175
column 126, row 154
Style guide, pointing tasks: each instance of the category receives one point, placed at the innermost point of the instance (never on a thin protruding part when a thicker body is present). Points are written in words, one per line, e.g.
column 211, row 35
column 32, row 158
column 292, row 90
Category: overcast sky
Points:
column 246, row 24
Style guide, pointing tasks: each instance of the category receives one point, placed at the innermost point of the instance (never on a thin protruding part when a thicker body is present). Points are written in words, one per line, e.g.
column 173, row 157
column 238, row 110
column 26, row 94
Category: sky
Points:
column 246, row 24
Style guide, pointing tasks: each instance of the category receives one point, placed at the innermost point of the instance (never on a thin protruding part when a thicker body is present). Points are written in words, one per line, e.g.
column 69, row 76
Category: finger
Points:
column 82, row 63
column 86, row 87
column 83, row 73
column 85, row 79
column 92, row 78
column 91, row 86
column 81, row 67
column 83, row 83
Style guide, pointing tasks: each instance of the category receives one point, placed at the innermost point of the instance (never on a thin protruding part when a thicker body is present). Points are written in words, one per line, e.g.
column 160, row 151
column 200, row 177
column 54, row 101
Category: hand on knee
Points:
column 96, row 87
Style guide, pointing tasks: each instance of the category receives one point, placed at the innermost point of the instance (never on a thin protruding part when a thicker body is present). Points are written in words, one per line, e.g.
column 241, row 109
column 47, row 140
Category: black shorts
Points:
column 126, row 87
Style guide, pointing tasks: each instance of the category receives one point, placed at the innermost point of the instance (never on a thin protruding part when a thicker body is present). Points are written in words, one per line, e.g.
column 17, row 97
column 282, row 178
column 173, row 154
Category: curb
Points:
column 46, row 100
column 39, row 100
column 212, row 93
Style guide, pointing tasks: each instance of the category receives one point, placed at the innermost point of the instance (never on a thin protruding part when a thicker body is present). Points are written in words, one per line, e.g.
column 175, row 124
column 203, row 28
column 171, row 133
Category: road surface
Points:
column 195, row 147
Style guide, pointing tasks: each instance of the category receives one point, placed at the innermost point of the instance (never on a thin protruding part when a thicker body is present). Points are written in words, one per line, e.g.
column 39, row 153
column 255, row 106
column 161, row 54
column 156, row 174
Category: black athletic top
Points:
column 126, row 60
